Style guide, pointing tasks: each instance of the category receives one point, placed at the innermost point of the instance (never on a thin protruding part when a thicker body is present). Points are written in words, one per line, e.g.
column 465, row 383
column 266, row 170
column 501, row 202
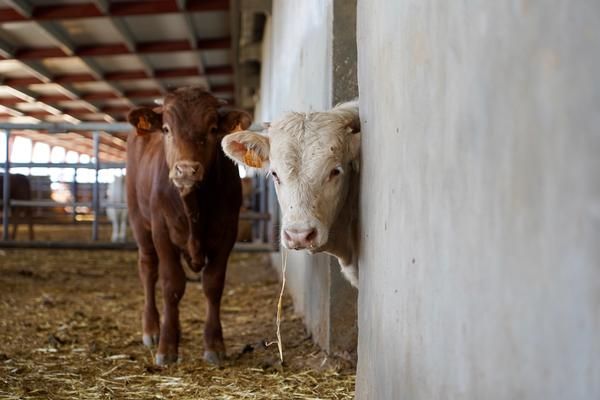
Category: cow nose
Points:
column 300, row 238
column 184, row 169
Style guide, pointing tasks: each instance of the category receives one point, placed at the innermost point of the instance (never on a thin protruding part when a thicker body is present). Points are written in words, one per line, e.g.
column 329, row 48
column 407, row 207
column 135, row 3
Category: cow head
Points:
column 310, row 157
column 192, row 122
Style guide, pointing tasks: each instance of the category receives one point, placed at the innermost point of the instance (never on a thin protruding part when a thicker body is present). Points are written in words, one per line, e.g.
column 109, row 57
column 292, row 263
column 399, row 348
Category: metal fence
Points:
column 263, row 226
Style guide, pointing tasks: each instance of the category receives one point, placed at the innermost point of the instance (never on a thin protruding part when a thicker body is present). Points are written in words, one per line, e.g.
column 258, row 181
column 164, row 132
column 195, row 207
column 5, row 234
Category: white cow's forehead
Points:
column 318, row 134
column 308, row 145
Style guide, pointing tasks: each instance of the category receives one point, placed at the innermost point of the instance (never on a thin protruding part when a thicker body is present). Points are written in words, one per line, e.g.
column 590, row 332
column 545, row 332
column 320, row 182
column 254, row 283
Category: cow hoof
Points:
column 163, row 360
column 150, row 340
column 214, row 358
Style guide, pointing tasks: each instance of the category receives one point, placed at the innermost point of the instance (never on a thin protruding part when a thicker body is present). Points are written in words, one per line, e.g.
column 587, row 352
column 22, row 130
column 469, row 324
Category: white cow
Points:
column 116, row 193
column 313, row 159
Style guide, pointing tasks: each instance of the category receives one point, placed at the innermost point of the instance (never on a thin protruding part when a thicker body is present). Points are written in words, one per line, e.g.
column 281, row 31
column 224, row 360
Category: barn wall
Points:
column 480, row 265
column 297, row 74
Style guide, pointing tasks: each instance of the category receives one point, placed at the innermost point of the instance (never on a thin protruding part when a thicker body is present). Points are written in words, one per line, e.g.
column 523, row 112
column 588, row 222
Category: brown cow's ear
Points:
column 145, row 120
column 234, row 120
column 247, row 148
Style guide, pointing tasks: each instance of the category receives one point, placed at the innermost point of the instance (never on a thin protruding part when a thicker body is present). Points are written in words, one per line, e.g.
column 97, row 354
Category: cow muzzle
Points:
column 185, row 174
column 300, row 238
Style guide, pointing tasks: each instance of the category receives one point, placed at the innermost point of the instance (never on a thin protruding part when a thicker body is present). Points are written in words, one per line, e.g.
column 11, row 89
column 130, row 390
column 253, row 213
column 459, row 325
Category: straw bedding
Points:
column 70, row 328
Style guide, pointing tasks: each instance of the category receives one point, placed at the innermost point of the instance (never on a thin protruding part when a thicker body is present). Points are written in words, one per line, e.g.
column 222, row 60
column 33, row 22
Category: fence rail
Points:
column 39, row 244
column 261, row 217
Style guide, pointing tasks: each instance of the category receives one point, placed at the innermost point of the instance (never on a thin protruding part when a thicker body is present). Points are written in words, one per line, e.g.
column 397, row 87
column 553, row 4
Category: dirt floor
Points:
column 70, row 328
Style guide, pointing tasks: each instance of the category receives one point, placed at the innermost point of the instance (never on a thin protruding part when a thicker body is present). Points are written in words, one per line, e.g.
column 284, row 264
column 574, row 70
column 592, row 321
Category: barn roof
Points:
column 92, row 60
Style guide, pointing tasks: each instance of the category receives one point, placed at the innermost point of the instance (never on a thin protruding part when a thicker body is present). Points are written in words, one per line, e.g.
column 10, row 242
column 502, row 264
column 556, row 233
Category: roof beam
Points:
column 20, row 11
column 191, row 34
column 98, row 96
column 100, row 76
column 68, row 47
column 125, row 33
column 84, row 111
column 11, row 111
column 131, row 45
column 102, row 5
column 23, row 7
column 113, row 49
column 7, row 50
column 120, row 76
column 38, row 70
column 42, row 75
column 58, row 36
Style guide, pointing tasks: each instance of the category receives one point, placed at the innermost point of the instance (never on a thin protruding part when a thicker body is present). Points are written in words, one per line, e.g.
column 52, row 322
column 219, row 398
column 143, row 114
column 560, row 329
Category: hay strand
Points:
column 280, row 303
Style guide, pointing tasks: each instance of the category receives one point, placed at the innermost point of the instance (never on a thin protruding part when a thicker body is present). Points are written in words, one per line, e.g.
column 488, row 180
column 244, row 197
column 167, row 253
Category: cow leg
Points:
column 115, row 229
column 15, row 229
column 14, row 215
column 172, row 280
column 13, row 235
column 123, row 228
column 148, row 271
column 30, row 222
column 213, row 280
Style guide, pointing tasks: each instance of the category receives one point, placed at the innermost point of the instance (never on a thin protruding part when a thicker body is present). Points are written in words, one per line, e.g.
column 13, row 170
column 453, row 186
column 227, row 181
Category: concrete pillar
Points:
column 480, row 201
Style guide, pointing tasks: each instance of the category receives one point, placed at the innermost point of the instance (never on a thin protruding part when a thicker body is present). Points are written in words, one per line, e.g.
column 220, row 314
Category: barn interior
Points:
column 479, row 209
column 70, row 72
column 72, row 62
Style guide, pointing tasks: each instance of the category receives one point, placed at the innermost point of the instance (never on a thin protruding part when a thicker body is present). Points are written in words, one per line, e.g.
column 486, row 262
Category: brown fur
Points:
column 20, row 189
column 201, row 225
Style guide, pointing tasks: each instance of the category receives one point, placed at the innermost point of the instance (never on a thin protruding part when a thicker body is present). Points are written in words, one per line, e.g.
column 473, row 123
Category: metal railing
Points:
column 262, row 218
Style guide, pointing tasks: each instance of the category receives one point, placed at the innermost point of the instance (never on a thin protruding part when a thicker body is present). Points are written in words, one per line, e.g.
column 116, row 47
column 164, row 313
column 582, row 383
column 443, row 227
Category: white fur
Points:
column 302, row 150
column 116, row 193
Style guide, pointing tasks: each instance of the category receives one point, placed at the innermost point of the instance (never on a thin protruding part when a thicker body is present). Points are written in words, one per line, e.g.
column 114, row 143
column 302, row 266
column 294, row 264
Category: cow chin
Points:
column 184, row 186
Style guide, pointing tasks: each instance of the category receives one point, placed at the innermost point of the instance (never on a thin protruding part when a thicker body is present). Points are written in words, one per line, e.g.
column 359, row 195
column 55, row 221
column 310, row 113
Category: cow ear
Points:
column 354, row 125
column 247, row 148
column 355, row 150
column 234, row 120
column 145, row 120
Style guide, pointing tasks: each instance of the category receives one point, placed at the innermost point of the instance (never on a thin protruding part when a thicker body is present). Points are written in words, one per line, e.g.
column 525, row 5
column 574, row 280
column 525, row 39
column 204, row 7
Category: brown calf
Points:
column 20, row 189
column 183, row 197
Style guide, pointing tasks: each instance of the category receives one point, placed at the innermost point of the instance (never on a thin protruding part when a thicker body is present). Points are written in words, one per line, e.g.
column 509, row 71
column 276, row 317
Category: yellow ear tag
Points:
column 252, row 159
column 143, row 123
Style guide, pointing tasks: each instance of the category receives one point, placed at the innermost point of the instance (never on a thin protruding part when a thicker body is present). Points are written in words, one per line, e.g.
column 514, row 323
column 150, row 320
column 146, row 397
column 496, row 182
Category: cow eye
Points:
column 213, row 130
column 275, row 177
column 166, row 129
column 335, row 172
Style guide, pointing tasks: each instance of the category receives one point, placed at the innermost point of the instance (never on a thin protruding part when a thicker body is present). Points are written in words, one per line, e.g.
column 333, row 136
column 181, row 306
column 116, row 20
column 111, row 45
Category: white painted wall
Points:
column 296, row 71
column 480, row 267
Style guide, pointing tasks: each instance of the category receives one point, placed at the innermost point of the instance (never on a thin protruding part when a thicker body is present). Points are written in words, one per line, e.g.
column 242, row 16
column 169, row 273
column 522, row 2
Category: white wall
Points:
column 296, row 58
column 480, row 266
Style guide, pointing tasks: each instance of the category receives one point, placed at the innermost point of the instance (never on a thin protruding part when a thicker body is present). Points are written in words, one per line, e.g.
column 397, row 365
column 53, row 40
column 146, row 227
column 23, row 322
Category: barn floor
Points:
column 70, row 328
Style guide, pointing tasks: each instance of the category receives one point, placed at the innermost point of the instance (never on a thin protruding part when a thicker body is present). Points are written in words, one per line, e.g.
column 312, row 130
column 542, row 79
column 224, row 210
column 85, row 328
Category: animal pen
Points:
column 477, row 212
column 82, row 320
column 263, row 233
